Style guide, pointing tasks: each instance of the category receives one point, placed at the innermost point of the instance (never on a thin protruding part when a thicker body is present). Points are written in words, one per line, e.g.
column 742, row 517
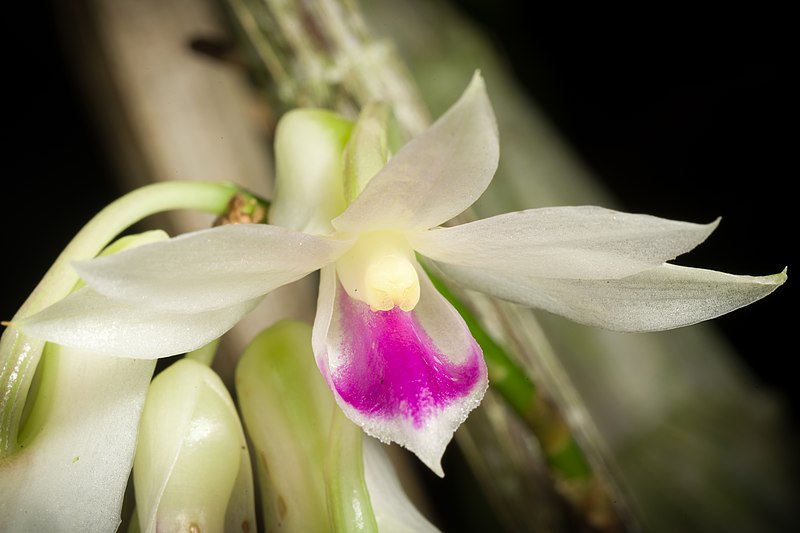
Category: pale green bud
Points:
column 287, row 408
column 368, row 149
column 309, row 188
column 192, row 471
column 311, row 471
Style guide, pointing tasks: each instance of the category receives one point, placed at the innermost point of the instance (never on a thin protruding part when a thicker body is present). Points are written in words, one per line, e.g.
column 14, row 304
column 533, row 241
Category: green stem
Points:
column 506, row 377
column 210, row 197
column 205, row 354
column 19, row 355
column 349, row 504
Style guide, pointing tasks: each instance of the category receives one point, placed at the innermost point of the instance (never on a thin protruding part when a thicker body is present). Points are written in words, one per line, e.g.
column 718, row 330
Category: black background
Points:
column 685, row 114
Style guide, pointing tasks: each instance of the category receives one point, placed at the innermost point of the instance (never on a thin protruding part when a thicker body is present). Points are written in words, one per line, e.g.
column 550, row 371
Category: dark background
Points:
column 684, row 114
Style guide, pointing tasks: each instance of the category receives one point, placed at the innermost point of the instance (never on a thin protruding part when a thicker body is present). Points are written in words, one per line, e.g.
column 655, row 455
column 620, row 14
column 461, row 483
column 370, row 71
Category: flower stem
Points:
column 205, row 354
column 349, row 504
column 19, row 355
column 210, row 197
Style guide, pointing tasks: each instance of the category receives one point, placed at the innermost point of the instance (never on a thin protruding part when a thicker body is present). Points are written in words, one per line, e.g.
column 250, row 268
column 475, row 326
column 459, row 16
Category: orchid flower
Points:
column 399, row 360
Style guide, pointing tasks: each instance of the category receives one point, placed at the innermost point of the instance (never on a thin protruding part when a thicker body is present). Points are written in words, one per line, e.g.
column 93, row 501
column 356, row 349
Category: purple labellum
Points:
column 393, row 368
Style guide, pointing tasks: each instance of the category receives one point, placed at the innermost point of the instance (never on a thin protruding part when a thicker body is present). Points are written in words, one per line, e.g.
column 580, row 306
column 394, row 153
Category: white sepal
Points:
column 665, row 297
column 92, row 322
column 394, row 512
column 435, row 176
column 210, row 269
column 583, row 242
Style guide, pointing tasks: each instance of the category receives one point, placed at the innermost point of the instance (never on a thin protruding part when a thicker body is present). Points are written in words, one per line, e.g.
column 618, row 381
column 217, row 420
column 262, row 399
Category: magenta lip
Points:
column 393, row 368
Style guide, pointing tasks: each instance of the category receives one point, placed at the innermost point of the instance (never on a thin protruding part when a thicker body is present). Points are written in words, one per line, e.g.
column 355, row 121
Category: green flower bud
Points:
column 192, row 469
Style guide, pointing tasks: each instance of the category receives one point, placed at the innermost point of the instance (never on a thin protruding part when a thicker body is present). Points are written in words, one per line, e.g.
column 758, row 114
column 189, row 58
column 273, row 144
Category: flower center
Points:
column 379, row 271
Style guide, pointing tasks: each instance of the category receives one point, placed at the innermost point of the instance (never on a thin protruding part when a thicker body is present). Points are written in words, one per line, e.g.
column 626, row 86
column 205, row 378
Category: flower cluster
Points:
column 398, row 358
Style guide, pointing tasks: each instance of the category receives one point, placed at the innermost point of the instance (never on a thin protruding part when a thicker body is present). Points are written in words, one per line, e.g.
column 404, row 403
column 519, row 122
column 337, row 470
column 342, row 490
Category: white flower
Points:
column 399, row 360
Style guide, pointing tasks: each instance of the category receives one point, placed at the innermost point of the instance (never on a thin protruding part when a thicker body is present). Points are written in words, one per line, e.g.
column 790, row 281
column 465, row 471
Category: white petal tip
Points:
column 773, row 279
column 713, row 225
column 477, row 81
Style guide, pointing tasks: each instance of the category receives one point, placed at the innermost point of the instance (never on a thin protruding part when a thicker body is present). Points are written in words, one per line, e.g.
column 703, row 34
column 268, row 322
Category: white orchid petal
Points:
column 563, row 242
column 435, row 176
column 93, row 322
column 393, row 510
column 406, row 377
column 209, row 269
column 665, row 297
column 72, row 474
column 309, row 188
